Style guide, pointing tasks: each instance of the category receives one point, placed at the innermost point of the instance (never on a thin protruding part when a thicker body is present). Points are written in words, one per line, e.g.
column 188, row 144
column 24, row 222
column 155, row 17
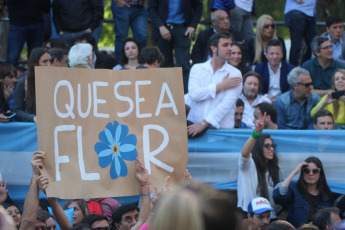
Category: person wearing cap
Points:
column 259, row 209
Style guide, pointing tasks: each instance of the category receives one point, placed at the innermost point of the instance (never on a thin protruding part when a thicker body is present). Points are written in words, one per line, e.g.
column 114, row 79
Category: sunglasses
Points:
column 269, row 146
column 102, row 228
column 307, row 85
column 314, row 171
column 266, row 26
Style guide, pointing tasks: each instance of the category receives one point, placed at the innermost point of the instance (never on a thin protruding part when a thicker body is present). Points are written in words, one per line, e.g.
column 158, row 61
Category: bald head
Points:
column 220, row 20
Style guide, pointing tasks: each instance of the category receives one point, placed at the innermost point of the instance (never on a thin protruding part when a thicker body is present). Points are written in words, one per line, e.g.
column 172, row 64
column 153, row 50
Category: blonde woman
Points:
column 265, row 31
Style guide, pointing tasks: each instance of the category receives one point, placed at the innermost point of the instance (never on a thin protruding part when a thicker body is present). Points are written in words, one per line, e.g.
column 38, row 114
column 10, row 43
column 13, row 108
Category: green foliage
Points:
column 108, row 35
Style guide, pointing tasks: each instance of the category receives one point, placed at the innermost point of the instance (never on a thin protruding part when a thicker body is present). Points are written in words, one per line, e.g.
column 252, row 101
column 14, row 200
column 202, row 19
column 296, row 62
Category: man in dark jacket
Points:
column 71, row 19
column 174, row 27
column 274, row 71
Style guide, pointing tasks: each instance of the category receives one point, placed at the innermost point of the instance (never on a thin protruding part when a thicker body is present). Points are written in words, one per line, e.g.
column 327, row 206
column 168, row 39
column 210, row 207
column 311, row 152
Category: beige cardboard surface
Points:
column 92, row 123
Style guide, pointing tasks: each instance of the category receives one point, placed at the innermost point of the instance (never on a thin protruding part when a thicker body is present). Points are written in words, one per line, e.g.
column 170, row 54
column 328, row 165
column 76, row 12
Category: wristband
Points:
column 145, row 194
column 255, row 135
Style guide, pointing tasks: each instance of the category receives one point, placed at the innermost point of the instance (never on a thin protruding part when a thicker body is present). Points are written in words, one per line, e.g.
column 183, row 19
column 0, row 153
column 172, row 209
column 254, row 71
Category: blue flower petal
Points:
column 105, row 153
column 113, row 173
column 124, row 132
column 109, row 136
column 118, row 134
column 117, row 165
column 130, row 156
column 103, row 138
column 124, row 169
column 100, row 146
column 130, row 139
column 126, row 148
column 105, row 161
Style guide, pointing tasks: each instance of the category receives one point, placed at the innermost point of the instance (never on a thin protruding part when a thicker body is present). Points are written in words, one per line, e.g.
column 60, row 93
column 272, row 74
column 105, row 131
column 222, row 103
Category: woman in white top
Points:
column 129, row 55
column 258, row 168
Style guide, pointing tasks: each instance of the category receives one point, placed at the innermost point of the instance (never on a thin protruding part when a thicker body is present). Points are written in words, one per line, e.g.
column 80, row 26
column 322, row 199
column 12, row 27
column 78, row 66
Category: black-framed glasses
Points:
column 326, row 47
column 307, row 85
column 266, row 26
column 102, row 228
column 314, row 171
column 269, row 146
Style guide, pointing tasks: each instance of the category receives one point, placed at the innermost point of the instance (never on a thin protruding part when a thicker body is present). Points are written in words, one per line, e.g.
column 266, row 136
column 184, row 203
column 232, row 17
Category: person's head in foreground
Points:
column 125, row 217
column 97, row 222
column 323, row 120
column 81, row 55
column 327, row 218
column 281, row 225
column 259, row 209
column 195, row 206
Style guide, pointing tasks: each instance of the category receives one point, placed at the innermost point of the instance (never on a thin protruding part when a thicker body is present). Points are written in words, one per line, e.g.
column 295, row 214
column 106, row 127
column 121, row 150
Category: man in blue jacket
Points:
column 274, row 71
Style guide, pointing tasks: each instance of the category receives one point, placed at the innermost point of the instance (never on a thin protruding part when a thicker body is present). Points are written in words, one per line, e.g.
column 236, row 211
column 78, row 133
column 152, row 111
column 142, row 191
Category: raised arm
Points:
column 322, row 104
column 32, row 197
column 59, row 214
column 143, row 177
column 248, row 146
column 294, row 172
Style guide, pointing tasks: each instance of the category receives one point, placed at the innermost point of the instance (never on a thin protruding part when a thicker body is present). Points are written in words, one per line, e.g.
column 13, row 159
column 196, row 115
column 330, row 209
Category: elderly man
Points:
column 221, row 23
column 322, row 66
column 336, row 35
column 323, row 120
column 294, row 106
column 251, row 96
column 214, row 87
column 274, row 71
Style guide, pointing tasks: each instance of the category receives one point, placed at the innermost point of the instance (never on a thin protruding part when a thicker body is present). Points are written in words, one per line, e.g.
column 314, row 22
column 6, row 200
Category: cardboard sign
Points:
column 92, row 124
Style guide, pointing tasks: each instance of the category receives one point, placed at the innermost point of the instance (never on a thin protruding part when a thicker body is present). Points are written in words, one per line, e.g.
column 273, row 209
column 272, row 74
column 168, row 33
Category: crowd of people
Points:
column 232, row 78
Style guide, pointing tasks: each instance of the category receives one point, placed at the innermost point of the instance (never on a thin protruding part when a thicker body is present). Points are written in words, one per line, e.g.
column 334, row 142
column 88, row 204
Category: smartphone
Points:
column 9, row 115
column 338, row 94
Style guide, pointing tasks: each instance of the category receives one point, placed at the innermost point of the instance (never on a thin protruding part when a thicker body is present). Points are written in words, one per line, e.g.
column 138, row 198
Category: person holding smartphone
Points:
column 334, row 101
column 7, row 85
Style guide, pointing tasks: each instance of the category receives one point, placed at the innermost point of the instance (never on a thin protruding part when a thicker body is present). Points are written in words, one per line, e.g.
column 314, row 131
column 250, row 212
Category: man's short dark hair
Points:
column 316, row 43
column 332, row 20
column 274, row 42
column 323, row 113
column 322, row 218
column 43, row 215
column 280, row 225
column 117, row 215
column 269, row 109
column 88, row 37
column 57, row 53
column 239, row 102
column 149, row 55
column 91, row 218
column 214, row 40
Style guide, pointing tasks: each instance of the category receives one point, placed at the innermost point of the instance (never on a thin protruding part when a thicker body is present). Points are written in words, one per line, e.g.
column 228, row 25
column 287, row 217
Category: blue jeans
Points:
column 302, row 28
column 33, row 35
column 134, row 16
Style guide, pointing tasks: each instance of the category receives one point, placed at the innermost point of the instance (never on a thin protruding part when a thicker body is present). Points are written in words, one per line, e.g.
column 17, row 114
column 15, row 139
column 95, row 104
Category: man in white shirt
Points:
column 251, row 96
column 214, row 87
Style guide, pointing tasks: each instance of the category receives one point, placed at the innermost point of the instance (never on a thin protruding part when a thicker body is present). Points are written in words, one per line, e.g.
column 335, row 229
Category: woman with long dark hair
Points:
column 129, row 55
column 308, row 195
column 237, row 58
column 258, row 168
column 25, row 99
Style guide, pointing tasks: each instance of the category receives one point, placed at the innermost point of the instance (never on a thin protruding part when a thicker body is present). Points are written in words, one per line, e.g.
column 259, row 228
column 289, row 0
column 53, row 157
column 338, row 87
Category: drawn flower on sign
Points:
column 114, row 147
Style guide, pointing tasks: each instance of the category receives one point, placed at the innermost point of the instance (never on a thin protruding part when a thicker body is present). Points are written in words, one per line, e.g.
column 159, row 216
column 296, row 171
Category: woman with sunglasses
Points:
column 258, row 168
column 265, row 31
column 334, row 105
column 308, row 195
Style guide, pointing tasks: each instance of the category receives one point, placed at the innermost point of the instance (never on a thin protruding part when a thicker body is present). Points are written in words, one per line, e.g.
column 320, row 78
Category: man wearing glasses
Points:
column 323, row 65
column 294, row 106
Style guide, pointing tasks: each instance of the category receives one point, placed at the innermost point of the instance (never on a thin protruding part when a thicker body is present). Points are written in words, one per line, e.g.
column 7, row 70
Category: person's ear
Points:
column 214, row 49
